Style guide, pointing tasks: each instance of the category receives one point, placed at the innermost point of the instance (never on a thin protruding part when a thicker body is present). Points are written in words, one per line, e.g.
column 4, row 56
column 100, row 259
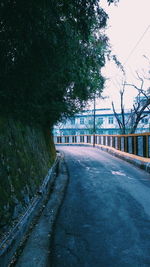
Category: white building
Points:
column 105, row 123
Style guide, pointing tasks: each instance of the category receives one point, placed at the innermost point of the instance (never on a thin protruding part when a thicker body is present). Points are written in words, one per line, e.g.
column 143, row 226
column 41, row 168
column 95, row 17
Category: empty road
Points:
column 104, row 220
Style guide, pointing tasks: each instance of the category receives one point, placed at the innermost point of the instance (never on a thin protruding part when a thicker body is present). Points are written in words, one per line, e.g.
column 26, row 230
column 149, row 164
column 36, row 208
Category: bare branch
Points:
column 146, row 96
column 147, row 58
column 130, row 84
column 137, row 113
column 117, row 116
column 143, row 116
column 129, row 117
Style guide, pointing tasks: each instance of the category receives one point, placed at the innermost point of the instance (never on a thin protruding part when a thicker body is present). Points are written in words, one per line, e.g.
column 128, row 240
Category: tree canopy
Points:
column 51, row 54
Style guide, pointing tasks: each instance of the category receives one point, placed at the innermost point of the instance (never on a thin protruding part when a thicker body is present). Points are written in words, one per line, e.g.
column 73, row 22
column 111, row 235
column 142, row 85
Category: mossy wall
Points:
column 26, row 154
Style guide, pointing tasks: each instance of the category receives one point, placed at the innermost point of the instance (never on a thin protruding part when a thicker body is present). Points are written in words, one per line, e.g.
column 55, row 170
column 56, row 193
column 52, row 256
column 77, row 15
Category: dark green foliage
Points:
column 50, row 57
column 112, row 1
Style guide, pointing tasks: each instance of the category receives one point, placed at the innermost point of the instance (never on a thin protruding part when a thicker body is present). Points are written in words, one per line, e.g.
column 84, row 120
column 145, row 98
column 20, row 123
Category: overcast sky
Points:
column 129, row 33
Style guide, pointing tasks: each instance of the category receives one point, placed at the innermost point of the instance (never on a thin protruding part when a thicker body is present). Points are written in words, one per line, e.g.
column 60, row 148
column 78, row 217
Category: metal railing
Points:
column 137, row 144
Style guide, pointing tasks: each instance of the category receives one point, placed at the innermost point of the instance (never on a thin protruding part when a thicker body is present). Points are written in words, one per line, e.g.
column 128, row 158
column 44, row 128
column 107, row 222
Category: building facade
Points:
column 105, row 123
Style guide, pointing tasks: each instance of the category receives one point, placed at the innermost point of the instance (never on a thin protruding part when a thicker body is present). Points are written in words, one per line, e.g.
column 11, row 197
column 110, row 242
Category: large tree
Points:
column 51, row 54
column 129, row 123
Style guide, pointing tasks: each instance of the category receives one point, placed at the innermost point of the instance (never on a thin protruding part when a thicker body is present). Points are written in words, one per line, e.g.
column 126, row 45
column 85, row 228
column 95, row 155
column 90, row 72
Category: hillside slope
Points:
column 26, row 154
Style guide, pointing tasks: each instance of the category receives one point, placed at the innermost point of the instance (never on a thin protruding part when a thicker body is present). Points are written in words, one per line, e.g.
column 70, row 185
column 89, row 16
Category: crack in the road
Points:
column 77, row 236
column 70, row 251
column 81, row 239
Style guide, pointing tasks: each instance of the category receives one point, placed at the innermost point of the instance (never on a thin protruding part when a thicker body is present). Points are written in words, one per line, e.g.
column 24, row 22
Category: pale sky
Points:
column 129, row 33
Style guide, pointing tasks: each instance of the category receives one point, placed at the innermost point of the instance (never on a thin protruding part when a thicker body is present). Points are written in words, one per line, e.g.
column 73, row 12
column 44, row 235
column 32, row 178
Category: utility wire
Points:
column 113, row 79
column 136, row 44
column 133, row 50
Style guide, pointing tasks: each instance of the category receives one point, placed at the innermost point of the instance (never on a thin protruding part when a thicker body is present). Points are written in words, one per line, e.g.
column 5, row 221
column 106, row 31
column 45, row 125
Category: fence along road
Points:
column 137, row 144
column 104, row 220
column 134, row 148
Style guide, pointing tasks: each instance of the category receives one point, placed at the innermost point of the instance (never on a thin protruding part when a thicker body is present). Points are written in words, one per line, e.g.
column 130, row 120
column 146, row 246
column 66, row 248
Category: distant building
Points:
column 105, row 123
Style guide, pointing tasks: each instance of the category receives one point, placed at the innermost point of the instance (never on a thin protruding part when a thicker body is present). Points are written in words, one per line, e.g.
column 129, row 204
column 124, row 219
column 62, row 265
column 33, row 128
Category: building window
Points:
column 81, row 120
column 91, row 121
column 100, row 121
column 110, row 120
column 72, row 120
column 144, row 120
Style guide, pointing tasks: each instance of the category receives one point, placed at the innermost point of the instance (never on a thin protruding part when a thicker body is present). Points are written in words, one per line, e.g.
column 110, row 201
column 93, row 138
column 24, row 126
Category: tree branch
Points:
column 117, row 117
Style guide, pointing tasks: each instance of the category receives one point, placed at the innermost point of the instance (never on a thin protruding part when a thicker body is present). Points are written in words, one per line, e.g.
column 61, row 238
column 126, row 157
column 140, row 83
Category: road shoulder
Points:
column 36, row 250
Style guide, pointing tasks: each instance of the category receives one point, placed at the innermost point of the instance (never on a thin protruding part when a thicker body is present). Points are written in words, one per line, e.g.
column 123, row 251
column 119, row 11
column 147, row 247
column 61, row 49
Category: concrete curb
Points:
column 37, row 248
column 135, row 160
column 142, row 163
column 12, row 241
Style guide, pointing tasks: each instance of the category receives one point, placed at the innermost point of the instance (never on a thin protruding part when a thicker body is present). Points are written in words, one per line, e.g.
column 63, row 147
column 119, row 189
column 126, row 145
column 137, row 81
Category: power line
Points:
column 133, row 50
column 113, row 79
column 136, row 44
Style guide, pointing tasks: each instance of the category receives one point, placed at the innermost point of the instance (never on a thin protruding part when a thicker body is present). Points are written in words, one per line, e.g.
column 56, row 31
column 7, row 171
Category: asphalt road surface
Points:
column 104, row 220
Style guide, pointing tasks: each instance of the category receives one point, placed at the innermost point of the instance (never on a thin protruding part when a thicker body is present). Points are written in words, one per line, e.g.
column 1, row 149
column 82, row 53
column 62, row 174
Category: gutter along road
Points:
column 104, row 220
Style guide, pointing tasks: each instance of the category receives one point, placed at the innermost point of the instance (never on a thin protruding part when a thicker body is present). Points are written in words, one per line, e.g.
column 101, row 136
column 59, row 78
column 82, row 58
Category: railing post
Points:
column 130, row 144
column 135, row 145
column 125, row 144
column 138, row 144
column 106, row 140
column 111, row 141
column 70, row 139
column 116, row 142
column 93, row 140
column 148, row 146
